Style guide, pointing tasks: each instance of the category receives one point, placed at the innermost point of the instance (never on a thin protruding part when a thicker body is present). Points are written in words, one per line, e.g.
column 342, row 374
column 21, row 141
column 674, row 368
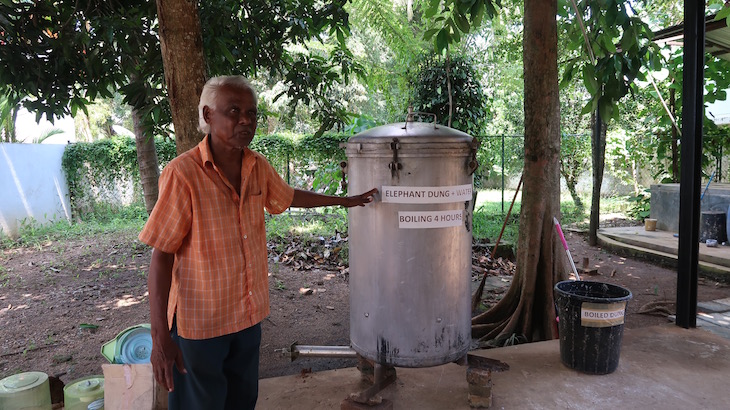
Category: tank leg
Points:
column 380, row 376
column 367, row 370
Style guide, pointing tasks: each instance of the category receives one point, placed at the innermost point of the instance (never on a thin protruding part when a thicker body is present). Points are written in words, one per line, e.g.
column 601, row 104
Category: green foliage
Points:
column 640, row 205
column 278, row 149
column 453, row 19
column 48, row 51
column 95, row 167
column 387, row 41
column 92, row 169
column 649, row 141
column 575, row 156
column 490, row 157
column 434, row 77
column 359, row 124
column 322, row 148
column 59, row 56
column 722, row 8
column 311, row 162
column 610, row 54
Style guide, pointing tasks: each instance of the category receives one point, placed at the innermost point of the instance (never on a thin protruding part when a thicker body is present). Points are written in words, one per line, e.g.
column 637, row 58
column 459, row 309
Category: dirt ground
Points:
column 61, row 300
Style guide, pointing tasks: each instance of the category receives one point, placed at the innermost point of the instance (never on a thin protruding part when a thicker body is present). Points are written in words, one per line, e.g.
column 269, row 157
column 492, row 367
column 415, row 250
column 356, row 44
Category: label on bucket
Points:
column 426, row 194
column 602, row 314
column 430, row 219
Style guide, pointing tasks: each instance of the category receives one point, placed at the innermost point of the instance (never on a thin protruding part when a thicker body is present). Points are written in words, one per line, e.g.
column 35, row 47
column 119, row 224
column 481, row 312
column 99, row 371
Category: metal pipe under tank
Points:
column 295, row 351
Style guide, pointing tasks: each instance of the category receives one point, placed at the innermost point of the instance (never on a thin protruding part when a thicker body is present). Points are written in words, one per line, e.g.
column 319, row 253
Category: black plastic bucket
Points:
column 591, row 324
column 713, row 226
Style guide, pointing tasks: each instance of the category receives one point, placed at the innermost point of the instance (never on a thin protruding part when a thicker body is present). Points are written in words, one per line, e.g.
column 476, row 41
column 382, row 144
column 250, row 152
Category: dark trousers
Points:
column 222, row 372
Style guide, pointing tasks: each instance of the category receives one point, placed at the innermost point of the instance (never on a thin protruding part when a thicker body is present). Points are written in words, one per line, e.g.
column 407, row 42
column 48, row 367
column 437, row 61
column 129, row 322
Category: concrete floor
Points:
column 662, row 247
column 661, row 367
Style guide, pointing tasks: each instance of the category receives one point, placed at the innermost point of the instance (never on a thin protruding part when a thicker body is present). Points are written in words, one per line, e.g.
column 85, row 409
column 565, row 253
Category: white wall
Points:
column 27, row 129
column 719, row 111
column 32, row 185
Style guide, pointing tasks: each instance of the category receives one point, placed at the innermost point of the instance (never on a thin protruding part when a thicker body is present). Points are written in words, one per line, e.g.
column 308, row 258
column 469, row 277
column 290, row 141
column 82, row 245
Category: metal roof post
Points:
column 691, row 155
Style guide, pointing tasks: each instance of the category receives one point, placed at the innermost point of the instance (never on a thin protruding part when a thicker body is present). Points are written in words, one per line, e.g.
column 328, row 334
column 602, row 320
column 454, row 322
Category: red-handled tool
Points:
column 565, row 245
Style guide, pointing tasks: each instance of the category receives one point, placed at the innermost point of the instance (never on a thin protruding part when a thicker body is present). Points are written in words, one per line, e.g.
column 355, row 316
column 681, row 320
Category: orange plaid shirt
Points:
column 220, row 274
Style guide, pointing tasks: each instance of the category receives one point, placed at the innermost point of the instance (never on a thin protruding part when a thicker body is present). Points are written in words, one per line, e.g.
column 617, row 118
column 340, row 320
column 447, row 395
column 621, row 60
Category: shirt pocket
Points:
column 254, row 214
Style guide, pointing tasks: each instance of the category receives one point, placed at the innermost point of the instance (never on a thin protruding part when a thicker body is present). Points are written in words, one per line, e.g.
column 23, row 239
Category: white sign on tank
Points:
column 426, row 194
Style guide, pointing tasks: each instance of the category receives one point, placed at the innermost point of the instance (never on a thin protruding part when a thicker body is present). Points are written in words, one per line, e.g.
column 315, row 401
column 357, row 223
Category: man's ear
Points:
column 206, row 114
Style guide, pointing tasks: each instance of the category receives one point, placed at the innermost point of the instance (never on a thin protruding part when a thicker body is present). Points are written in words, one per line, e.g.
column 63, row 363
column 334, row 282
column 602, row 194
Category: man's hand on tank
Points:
column 362, row 199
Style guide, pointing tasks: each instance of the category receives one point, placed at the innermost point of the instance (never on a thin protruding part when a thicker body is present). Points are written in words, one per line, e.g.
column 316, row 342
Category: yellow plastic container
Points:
column 79, row 394
column 25, row 391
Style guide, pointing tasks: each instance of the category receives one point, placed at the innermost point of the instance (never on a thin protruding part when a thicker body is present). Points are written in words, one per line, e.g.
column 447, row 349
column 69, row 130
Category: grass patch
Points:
column 104, row 219
column 307, row 224
column 489, row 215
column 312, row 223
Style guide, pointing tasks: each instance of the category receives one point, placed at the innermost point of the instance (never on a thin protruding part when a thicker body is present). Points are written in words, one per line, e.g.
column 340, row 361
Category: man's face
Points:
column 233, row 121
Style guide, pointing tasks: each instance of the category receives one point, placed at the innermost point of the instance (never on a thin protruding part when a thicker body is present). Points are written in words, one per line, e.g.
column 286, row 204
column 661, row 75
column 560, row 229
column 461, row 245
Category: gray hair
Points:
column 210, row 93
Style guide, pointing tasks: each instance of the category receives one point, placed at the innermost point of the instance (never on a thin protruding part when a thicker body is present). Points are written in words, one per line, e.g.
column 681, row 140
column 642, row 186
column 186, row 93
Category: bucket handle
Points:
column 412, row 114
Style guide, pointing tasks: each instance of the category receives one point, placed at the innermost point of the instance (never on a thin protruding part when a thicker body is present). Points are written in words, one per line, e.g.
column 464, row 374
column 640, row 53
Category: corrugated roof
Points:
column 717, row 37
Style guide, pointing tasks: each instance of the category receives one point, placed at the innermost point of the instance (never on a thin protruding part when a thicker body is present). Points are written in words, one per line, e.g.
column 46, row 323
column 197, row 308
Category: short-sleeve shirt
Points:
column 220, row 274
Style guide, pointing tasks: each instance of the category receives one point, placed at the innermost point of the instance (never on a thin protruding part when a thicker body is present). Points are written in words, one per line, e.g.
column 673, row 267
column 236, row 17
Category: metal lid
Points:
column 406, row 132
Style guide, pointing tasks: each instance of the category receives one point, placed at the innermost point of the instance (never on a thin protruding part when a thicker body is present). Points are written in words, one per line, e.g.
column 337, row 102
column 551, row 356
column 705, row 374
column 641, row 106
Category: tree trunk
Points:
column 675, row 137
column 9, row 134
column 528, row 308
column 12, row 134
column 571, row 184
column 149, row 171
column 181, row 42
column 635, row 175
column 448, row 87
column 598, row 145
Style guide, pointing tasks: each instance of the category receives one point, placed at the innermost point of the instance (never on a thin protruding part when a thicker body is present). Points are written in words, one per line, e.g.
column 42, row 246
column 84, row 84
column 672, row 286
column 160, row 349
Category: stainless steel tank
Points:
column 410, row 250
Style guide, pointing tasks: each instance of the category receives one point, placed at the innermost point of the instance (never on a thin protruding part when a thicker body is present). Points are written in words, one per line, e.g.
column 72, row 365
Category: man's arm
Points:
column 308, row 199
column 164, row 351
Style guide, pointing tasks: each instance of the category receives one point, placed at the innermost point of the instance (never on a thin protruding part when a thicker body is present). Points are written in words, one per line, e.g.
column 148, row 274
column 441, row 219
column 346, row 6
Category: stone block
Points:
column 480, row 402
column 349, row 404
column 485, row 391
column 477, row 376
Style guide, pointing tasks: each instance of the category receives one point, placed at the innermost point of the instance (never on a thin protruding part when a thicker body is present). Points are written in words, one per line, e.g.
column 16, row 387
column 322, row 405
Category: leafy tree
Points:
column 183, row 58
column 610, row 45
column 453, row 19
column 8, row 116
column 574, row 142
column 390, row 42
column 58, row 56
column 633, row 143
column 449, row 88
column 527, row 310
column 574, row 160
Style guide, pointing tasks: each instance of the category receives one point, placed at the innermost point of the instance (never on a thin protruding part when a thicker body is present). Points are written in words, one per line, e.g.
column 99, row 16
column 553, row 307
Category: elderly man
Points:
column 208, row 279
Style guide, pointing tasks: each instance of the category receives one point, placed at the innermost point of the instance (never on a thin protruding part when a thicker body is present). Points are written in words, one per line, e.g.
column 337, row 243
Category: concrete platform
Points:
column 661, row 367
column 661, row 247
